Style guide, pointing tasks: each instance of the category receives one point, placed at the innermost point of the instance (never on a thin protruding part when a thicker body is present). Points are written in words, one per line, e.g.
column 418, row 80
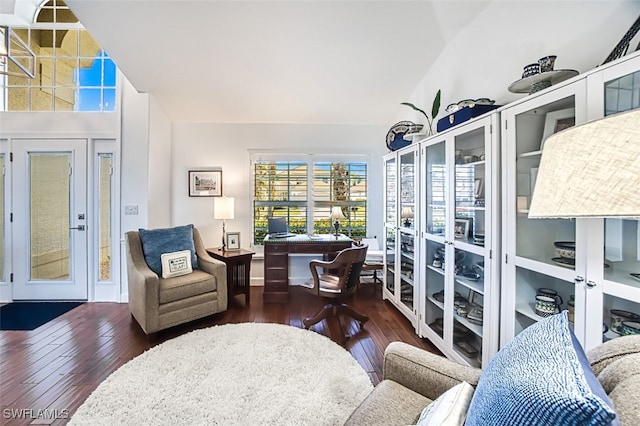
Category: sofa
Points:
column 158, row 302
column 413, row 378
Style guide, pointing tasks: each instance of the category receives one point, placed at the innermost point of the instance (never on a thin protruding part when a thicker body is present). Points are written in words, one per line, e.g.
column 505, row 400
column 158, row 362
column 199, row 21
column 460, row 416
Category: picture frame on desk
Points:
column 233, row 241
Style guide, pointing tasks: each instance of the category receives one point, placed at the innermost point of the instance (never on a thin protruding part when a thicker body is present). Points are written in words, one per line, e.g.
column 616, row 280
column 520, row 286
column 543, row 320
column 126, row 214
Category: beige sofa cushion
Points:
column 389, row 404
column 185, row 286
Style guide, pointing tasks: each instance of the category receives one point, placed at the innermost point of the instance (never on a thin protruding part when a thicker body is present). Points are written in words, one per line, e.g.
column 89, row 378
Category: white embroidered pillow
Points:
column 176, row 264
column 450, row 408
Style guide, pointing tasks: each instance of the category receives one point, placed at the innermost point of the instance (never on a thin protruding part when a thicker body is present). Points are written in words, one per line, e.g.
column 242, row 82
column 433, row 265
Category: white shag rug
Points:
column 233, row 374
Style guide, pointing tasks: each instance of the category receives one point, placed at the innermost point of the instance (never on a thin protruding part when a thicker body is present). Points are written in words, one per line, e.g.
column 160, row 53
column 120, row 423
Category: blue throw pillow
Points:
column 156, row 242
column 537, row 379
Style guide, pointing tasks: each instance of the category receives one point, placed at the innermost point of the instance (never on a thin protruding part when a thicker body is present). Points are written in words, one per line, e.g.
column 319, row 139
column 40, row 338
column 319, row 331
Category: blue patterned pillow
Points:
column 537, row 379
column 156, row 242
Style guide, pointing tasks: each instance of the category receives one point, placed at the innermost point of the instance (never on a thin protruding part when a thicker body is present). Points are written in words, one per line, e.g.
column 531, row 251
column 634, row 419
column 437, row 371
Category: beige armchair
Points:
column 157, row 303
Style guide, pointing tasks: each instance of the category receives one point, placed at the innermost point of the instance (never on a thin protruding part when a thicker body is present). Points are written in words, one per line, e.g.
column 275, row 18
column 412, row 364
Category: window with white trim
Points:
column 72, row 72
column 304, row 188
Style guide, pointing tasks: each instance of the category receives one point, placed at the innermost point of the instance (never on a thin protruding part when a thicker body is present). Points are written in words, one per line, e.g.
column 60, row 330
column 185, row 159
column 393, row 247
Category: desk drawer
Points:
column 309, row 248
column 272, row 247
column 276, row 260
column 276, row 286
column 274, row 274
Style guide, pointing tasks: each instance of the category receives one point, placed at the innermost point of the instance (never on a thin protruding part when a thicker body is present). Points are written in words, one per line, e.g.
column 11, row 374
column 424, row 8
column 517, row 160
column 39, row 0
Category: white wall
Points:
column 483, row 60
column 159, row 167
column 227, row 145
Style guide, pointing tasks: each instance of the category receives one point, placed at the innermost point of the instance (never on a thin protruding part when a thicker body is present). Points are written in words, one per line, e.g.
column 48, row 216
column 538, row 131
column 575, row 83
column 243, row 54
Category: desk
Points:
column 276, row 260
column 238, row 270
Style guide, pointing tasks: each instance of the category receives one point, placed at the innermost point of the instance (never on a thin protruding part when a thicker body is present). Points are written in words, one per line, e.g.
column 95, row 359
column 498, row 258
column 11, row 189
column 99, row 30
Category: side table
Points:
column 238, row 270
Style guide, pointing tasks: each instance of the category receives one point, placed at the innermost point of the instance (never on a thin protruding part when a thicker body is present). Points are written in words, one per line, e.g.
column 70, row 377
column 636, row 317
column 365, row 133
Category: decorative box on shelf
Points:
column 463, row 114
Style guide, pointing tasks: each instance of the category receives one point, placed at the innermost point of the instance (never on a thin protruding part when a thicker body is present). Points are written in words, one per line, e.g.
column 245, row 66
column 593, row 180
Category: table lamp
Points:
column 223, row 209
column 336, row 214
column 407, row 213
column 591, row 171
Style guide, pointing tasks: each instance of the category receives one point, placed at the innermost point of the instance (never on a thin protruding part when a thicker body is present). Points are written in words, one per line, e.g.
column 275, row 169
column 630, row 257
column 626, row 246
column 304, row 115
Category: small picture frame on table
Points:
column 556, row 121
column 233, row 240
column 462, row 228
column 205, row 183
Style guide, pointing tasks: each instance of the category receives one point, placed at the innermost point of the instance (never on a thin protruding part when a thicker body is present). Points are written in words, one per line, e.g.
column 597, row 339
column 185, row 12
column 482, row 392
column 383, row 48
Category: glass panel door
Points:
column 49, row 202
column 104, row 210
column 390, row 191
column 436, row 191
column 390, row 259
column 2, row 206
column 50, row 235
column 407, row 189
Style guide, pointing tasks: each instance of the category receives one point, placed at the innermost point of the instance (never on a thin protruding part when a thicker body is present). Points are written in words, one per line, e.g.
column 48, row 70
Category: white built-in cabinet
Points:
column 458, row 234
column 401, row 174
column 468, row 189
column 440, row 205
column 607, row 251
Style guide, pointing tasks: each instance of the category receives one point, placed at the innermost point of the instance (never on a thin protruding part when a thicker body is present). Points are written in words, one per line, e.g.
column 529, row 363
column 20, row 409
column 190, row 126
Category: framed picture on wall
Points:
column 205, row 183
column 233, row 241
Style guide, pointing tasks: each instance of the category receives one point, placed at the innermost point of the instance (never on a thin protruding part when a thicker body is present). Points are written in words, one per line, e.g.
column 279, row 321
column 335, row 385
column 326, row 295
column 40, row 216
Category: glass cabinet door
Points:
column 621, row 266
column 434, row 277
column 390, row 256
column 408, row 178
column 537, row 239
column 436, row 191
column 391, row 191
column 469, row 224
column 407, row 269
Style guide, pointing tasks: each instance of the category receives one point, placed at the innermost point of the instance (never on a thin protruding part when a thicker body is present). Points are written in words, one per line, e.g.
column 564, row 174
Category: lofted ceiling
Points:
column 340, row 61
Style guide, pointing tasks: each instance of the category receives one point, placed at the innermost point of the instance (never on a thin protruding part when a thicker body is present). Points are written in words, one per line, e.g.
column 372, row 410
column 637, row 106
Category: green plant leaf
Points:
column 436, row 105
column 410, row 105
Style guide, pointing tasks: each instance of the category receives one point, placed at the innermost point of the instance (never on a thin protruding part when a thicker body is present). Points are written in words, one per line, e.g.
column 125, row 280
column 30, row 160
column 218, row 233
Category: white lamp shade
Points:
column 406, row 212
column 336, row 213
column 592, row 170
column 223, row 207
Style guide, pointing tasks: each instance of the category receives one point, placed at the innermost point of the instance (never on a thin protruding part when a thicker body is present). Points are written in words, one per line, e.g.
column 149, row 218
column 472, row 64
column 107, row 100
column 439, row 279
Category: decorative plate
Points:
column 554, row 77
column 564, row 261
column 395, row 135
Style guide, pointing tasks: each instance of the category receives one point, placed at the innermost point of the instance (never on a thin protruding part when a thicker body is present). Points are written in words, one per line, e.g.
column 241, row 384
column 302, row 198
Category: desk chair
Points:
column 338, row 281
column 374, row 261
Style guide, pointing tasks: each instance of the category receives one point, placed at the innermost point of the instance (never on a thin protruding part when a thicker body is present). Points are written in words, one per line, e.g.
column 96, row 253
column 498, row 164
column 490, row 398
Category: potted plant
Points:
column 435, row 109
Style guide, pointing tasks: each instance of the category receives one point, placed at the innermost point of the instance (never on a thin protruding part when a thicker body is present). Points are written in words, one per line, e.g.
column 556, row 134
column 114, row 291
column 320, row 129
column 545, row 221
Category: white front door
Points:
column 49, row 239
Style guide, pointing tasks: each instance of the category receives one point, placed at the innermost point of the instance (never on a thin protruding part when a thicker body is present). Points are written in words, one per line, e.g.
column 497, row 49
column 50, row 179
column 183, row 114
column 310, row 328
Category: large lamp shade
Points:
column 591, row 170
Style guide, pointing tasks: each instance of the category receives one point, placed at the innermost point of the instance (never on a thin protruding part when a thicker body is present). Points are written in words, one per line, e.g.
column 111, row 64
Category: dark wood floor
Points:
column 58, row 365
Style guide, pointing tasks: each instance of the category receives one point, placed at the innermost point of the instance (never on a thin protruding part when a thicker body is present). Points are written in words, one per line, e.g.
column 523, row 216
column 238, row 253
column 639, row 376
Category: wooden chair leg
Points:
column 326, row 311
column 348, row 310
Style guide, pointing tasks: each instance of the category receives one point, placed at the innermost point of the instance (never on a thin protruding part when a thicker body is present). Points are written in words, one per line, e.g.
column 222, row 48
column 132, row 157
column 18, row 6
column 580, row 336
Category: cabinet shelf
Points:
column 474, row 362
column 435, row 302
column 470, row 208
column 528, row 310
column 407, row 254
column 477, row 286
column 474, row 328
column 472, row 163
column 438, row 270
column 530, row 154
